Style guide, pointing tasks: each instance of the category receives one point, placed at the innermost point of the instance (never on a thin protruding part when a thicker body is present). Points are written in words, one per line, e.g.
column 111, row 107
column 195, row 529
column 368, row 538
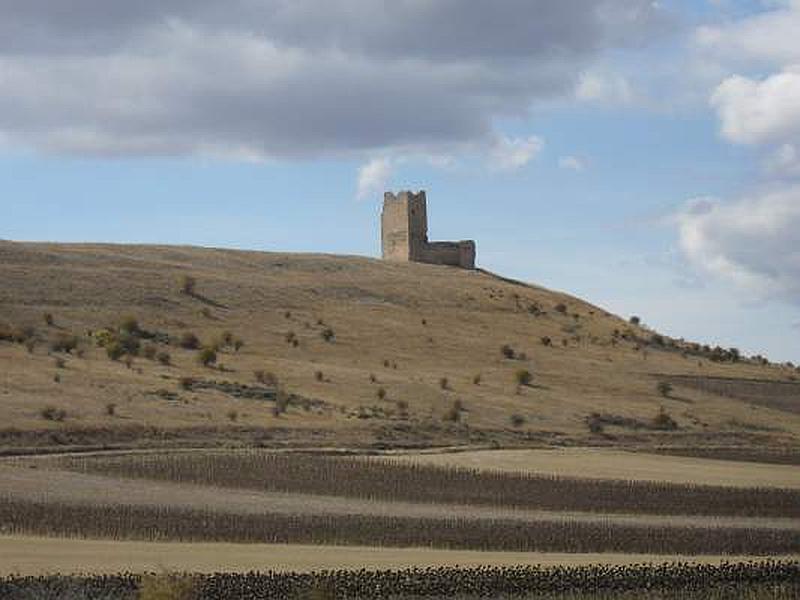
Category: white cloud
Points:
column 757, row 111
column 604, row 88
column 373, row 177
column 784, row 161
column 769, row 37
column 510, row 154
column 572, row 163
column 753, row 243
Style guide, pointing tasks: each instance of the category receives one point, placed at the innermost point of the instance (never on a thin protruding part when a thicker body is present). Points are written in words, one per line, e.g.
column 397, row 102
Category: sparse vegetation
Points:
column 150, row 351
column 164, row 358
column 186, row 383
column 266, row 377
column 60, row 363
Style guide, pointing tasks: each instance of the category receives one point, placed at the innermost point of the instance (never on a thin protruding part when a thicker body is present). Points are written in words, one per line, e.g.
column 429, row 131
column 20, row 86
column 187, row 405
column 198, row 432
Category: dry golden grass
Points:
column 376, row 310
column 608, row 463
column 33, row 555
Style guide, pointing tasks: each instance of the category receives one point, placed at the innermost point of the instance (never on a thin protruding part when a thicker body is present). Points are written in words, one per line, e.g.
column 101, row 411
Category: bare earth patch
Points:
column 606, row 463
column 26, row 555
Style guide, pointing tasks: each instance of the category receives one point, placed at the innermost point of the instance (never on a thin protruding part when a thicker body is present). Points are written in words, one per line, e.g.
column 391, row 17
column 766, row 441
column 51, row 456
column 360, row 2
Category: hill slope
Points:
column 400, row 328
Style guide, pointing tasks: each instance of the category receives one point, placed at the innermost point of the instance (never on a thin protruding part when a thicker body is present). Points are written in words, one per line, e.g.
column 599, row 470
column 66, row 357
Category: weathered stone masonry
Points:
column 404, row 234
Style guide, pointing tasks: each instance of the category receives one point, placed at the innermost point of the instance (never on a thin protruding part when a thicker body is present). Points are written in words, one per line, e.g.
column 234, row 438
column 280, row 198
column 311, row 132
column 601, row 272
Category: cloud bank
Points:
column 259, row 79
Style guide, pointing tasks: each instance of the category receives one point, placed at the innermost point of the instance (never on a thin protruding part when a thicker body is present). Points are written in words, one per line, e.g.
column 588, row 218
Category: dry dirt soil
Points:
column 400, row 328
column 24, row 555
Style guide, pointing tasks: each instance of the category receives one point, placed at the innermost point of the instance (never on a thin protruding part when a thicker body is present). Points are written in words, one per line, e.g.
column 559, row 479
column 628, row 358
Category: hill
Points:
column 366, row 353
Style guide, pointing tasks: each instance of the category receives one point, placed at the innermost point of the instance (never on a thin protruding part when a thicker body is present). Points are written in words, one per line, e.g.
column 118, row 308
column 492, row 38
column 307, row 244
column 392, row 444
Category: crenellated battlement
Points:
column 404, row 234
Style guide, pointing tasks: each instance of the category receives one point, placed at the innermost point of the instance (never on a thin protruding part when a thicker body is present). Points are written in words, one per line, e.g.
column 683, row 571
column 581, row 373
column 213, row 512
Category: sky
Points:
column 643, row 155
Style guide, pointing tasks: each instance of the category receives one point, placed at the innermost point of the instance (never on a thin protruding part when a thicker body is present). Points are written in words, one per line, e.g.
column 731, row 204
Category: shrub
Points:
column 402, row 406
column 206, row 313
column 517, row 420
column 664, row 388
column 319, row 376
column 111, row 409
column 207, row 356
column 595, row 423
column 128, row 361
column 190, row 341
column 129, row 325
column 381, row 393
column 30, row 345
column 115, row 351
column 664, row 421
column 561, row 308
column 372, row 378
column 150, row 351
column 327, row 334
column 288, row 314
column 290, row 337
column 51, row 413
column 444, row 383
column 188, row 285
column 130, row 343
column 634, row 320
column 60, row 363
column 57, row 378
column 232, row 415
column 186, row 383
column 546, row 341
column 64, row 343
column 523, row 377
column 49, row 319
column 266, row 377
column 476, row 379
column 164, row 358
column 238, row 344
column 507, row 351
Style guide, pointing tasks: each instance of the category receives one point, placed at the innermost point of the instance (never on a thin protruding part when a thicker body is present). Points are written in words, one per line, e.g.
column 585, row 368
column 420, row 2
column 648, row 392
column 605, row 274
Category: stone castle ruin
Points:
column 404, row 234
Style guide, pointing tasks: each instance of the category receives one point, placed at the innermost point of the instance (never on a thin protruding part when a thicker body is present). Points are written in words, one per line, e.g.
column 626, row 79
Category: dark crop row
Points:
column 176, row 524
column 774, row 580
column 379, row 479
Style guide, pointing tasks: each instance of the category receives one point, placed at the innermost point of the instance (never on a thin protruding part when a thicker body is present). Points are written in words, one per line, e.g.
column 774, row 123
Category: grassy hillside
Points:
column 412, row 357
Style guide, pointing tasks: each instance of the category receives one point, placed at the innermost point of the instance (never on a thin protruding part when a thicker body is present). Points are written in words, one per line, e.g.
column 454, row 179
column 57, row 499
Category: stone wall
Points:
column 404, row 234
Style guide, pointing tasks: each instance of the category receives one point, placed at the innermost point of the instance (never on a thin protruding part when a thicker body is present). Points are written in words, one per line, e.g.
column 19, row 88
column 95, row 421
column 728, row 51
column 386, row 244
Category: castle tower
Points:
column 404, row 234
column 404, row 225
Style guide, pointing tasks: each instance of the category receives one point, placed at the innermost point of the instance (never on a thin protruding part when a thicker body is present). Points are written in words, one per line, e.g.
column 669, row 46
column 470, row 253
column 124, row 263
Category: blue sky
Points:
column 644, row 156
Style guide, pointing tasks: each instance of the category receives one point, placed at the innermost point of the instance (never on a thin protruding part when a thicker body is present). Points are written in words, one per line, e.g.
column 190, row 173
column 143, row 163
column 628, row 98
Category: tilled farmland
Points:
column 378, row 479
column 756, row 580
column 157, row 523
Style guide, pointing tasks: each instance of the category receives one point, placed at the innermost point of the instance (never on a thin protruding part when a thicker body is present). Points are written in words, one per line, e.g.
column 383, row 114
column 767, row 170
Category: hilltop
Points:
column 365, row 353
